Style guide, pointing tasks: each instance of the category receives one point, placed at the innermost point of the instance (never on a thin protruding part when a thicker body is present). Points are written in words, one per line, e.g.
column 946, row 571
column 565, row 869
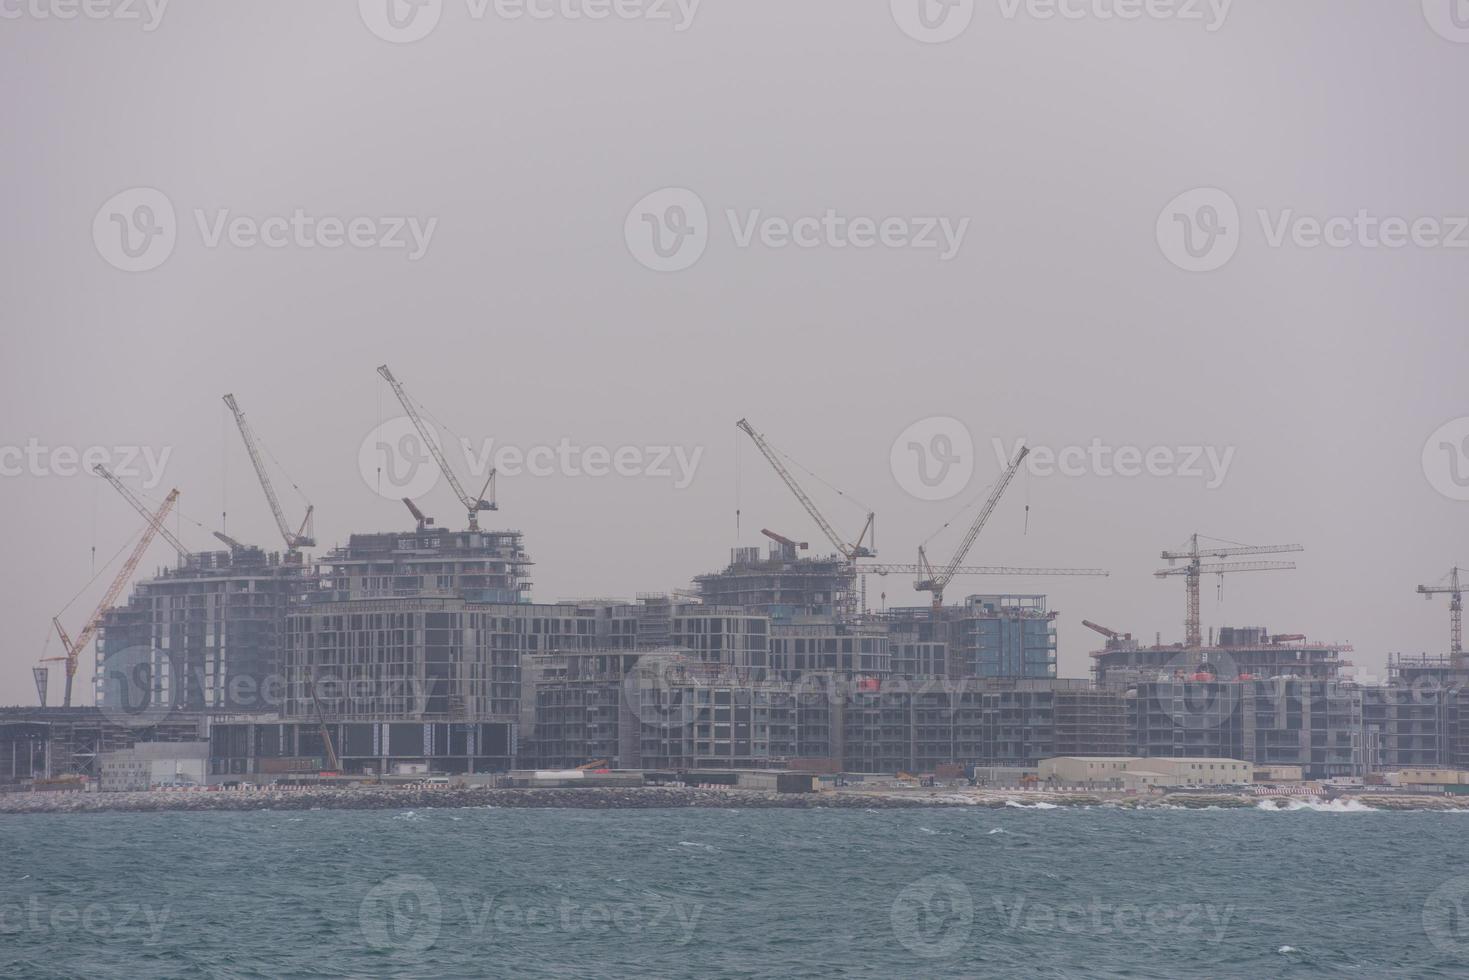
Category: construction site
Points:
column 421, row 651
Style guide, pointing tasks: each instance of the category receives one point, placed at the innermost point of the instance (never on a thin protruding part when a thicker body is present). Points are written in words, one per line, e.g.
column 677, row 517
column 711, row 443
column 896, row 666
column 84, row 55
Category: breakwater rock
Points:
column 398, row 798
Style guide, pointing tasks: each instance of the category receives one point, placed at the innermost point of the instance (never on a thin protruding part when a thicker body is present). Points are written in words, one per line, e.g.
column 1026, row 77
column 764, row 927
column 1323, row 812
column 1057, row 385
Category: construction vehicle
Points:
column 1449, row 585
column 473, row 504
column 934, row 582
column 89, row 630
column 1194, row 569
column 333, row 762
column 295, row 540
column 594, row 764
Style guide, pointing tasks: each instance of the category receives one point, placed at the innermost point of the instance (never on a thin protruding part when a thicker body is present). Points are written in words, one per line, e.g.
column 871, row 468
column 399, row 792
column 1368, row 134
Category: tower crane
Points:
column 295, row 540
column 94, row 622
column 472, row 504
column 934, row 582
column 863, row 547
column 1194, row 569
column 1456, row 613
column 138, row 506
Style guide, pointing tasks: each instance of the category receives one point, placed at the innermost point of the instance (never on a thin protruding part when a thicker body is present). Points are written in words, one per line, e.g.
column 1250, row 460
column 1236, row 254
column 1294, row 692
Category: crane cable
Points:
column 817, row 477
column 984, row 495
column 737, row 440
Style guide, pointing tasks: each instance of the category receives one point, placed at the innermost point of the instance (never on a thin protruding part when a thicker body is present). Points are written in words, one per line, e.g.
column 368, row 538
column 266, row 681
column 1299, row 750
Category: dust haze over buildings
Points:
column 527, row 319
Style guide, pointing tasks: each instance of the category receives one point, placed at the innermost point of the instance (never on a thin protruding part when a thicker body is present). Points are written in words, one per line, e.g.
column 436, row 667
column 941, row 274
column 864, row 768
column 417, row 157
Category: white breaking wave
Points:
column 1333, row 806
column 1038, row 805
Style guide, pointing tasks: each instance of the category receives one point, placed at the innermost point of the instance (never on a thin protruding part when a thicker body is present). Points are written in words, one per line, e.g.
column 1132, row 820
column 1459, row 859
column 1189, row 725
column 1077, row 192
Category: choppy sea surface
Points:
column 736, row 893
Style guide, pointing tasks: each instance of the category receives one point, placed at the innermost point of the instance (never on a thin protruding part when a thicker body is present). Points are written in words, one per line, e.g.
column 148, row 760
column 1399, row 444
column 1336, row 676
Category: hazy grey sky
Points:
column 1063, row 315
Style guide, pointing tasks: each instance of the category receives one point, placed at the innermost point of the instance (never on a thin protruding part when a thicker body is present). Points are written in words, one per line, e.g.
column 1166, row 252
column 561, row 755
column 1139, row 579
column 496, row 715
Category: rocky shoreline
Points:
column 381, row 798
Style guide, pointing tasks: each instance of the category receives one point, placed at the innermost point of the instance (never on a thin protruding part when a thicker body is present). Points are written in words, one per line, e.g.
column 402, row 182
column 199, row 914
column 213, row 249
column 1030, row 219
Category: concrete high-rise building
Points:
column 206, row 635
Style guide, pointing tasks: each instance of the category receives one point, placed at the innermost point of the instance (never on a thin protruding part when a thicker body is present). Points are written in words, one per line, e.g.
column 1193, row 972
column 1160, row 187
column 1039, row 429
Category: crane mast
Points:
column 472, row 504
column 1456, row 614
column 295, row 540
column 935, row 583
column 1194, row 570
column 851, row 551
column 138, row 506
column 89, row 631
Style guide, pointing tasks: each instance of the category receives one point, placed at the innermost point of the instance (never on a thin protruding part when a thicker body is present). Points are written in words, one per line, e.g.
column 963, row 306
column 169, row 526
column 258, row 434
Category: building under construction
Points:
column 1252, row 652
column 41, row 743
column 782, row 587
column 210, row 631
column 996, row 636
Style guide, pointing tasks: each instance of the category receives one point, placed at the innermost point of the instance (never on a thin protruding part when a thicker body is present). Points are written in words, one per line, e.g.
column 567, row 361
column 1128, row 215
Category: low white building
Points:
column 1076, row 770
column 1134, row 772
column 150, row 764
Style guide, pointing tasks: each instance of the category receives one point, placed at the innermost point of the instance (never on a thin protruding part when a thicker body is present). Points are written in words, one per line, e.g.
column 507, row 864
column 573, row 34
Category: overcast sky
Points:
column 1041, row 277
